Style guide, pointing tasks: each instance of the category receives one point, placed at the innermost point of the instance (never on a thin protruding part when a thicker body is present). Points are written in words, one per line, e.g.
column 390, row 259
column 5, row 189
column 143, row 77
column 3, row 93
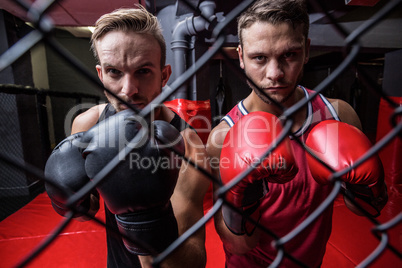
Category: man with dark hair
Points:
column 287, row 185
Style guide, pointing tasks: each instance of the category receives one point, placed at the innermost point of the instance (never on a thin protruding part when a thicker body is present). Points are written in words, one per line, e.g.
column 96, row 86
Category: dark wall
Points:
column 24, row 129
column 65, row 78
column 20, row 133
column 392, row 73
column 235, row 87
column 351, row 86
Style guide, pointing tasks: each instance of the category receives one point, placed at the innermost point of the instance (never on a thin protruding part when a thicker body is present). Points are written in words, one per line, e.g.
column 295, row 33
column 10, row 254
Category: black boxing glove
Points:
column 139, row 188
column 66, row 168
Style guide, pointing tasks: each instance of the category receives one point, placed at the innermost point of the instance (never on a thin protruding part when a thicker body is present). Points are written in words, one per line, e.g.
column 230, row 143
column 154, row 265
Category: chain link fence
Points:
column 352, row 47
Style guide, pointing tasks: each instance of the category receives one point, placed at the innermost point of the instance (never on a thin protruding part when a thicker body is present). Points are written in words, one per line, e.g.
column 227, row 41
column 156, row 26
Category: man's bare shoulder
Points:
column 346, row 113
column 192, row 140
column 87, row 119
column 218, row 133
column 216, row 139
column 192, row 184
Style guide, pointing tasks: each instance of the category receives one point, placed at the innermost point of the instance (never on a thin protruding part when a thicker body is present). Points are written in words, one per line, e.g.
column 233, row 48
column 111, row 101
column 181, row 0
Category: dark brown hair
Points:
column 275, row 12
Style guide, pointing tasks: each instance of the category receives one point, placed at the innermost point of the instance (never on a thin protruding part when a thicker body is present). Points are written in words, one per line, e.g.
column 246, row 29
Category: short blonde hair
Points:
column 138, row 20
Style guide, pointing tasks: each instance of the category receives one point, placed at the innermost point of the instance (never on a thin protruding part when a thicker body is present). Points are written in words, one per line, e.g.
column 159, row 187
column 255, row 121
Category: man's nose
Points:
column 274, row 70
column 130, row 86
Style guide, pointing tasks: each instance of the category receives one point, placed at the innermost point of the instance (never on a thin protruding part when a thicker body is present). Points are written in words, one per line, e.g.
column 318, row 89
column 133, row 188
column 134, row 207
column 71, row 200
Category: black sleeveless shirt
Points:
column 117, row 254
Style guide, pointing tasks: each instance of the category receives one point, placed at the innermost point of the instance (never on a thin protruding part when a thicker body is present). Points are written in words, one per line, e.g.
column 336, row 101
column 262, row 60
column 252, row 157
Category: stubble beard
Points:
column 117, row 103
column 259, row 91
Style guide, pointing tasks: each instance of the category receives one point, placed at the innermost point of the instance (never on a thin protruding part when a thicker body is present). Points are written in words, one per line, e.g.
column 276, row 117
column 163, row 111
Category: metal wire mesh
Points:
column 352, row 47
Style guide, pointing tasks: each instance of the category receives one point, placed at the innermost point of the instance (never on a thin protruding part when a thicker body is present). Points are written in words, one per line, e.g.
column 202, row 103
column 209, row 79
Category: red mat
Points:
column 84, row 244
column 81, row 244
column 352, row 241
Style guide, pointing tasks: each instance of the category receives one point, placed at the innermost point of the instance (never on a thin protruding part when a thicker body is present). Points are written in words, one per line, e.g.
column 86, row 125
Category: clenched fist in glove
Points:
column 139, row 188
column 245, row 144
column 340, row 145
column 66, row 168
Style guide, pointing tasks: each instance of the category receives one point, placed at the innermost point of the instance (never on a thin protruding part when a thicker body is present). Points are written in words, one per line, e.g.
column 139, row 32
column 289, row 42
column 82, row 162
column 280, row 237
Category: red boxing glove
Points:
column 340, row 145
column 245, row 143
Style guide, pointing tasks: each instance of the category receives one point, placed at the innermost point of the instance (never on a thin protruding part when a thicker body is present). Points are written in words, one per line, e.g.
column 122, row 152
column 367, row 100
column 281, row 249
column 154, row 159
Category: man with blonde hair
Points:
column 155, row 196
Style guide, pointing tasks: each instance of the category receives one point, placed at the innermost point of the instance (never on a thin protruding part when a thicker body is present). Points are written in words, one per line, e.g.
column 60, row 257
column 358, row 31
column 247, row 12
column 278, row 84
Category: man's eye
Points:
column 113, row 71
column 289, row 55
column 259, row 58
column 143, row 71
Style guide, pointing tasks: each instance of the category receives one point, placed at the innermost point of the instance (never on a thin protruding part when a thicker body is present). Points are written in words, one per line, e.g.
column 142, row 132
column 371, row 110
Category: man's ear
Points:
column 240, row 52
column 166, row 72
column 99, row 71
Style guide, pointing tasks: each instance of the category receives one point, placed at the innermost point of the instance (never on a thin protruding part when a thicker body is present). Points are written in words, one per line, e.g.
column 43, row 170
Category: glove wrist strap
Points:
column 148, row 233
column 239, row 224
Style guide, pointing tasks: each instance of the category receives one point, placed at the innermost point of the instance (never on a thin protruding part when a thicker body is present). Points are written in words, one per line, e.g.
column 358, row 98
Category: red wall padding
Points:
column 196, row 113
column 391, row 155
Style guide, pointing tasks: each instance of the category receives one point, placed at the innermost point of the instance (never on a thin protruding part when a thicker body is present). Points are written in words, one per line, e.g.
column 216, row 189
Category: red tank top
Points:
column 287, row 205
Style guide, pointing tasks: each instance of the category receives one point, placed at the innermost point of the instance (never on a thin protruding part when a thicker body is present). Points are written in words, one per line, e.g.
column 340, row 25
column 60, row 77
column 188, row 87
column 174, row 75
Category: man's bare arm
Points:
column 187, row 202
column 346, row 113
column 87, row 119
column 237, row 244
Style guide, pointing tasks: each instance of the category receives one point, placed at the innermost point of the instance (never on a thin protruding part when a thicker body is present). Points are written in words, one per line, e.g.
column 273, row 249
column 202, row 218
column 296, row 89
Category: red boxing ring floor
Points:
column 81, row 244
column 84, row 244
